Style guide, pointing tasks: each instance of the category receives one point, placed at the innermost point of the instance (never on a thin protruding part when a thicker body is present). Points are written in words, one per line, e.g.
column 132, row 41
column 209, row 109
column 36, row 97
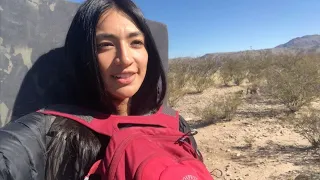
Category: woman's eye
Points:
column 104, row 45
column 137, row 43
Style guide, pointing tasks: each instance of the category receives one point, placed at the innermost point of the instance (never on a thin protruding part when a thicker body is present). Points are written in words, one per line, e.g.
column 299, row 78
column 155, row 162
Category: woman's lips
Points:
column 124, row 78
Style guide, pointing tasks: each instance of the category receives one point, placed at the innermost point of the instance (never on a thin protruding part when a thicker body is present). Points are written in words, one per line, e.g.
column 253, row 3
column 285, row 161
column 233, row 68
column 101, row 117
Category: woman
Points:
column 117, row 70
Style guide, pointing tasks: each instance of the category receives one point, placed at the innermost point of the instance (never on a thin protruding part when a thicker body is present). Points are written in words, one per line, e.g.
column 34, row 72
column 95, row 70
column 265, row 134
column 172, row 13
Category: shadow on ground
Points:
column 204, row 123
column 267, row 113
column 305, row 175
column 273, row 108
column 299, row 156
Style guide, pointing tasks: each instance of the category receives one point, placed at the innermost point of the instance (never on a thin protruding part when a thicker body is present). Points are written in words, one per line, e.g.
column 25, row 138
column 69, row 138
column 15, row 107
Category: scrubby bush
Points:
column 233, row 70
column 201, row 72
column 177, row 78
column 308, row 125
column 294, row 81
column 222, row 108
column 189, row 73
column 256, row 66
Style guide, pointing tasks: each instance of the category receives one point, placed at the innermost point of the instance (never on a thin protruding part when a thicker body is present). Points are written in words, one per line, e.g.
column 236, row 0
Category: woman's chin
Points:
column 120, row 95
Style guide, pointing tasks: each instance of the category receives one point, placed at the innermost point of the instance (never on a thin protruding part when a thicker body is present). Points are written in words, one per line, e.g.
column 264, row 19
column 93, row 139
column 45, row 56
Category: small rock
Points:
column 246, row 175
column 188, row 118
column 238, row 155
column 231, row 136
column 227, row 174
column 228, row 150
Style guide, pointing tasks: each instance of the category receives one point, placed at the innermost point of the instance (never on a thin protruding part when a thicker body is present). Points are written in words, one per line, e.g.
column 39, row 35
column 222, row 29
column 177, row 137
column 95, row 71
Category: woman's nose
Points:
column 124, row 56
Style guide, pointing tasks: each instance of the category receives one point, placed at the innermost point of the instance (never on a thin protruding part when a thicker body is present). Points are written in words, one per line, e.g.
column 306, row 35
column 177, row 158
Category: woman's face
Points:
column 121, row 54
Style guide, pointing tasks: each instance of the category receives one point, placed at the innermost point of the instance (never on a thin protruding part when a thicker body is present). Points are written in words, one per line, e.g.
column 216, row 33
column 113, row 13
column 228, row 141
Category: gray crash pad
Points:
column 32, row 70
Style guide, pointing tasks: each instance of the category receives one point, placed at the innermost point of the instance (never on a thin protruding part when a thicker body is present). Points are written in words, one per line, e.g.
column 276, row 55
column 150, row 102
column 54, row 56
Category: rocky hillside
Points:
column 305, row 44
column 309, row 42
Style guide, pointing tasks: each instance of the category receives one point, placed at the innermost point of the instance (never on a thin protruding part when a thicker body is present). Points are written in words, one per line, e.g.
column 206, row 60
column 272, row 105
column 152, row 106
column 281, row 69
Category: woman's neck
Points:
column 122, row 107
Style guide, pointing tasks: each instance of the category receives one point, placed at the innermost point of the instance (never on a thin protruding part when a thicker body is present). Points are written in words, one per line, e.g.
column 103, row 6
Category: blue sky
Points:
column 197, row 27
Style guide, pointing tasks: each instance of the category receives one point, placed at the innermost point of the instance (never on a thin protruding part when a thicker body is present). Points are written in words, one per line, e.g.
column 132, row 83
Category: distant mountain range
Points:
column 310, row 42
column 305, row 44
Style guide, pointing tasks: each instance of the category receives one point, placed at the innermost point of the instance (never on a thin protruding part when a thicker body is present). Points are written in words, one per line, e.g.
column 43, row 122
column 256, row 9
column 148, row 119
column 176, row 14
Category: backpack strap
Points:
column 72, row 112
column 91, row 119
column 169, row 111
column 109, row 124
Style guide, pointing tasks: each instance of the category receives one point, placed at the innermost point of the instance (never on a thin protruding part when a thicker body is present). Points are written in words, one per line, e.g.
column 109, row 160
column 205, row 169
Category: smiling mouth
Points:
column 123, row 76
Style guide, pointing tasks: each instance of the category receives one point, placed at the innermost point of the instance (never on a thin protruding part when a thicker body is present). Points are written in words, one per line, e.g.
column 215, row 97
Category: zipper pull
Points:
column 192, row 132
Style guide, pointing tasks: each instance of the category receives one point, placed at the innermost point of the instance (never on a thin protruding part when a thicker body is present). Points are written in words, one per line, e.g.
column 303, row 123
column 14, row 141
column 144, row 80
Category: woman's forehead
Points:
column 116, row 21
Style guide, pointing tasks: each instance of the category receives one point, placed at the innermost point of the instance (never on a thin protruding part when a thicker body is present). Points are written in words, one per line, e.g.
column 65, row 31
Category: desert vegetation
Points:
column 281, row 89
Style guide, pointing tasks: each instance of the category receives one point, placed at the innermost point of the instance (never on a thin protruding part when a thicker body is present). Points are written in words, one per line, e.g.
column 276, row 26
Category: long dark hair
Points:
column 81, row 49
column 74, row 148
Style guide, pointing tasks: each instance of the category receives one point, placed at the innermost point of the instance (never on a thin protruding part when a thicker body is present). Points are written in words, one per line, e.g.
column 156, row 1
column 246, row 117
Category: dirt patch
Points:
column 255, row 144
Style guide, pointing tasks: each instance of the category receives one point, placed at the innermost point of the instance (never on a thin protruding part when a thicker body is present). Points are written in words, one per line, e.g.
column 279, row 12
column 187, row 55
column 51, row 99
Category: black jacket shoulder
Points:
column 185, row 128
column 23, row 147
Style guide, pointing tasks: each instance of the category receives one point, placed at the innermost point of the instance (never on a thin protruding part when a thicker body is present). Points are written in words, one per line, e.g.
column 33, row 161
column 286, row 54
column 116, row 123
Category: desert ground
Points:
column 257, row 144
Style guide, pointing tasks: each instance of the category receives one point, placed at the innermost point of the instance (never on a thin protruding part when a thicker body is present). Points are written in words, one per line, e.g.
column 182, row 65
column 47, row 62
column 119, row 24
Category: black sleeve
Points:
column 23, row 147
column 184, row 127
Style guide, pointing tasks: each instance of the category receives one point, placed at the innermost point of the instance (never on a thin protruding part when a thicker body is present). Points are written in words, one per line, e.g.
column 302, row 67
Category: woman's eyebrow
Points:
column 135, row 34
column 103, row 36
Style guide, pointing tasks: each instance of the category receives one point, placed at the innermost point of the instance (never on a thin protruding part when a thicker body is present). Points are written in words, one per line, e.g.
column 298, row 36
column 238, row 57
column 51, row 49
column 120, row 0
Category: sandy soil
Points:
column 255, row 145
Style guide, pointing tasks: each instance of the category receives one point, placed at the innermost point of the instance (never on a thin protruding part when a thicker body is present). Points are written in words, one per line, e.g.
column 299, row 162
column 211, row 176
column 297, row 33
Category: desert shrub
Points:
column 201, row 72
column 221, row 108
column 295, row 83
column 308, row 125
column 257, row 65
column 177, row 78
column 175, row 88
column 233, row 70
column 201, row 83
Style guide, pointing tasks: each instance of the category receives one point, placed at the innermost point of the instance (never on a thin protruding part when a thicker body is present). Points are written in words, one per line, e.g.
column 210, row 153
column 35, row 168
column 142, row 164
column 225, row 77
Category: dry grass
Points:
column 252, row 135
column 308, row 125
column 223, row 108
column 296, row 82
